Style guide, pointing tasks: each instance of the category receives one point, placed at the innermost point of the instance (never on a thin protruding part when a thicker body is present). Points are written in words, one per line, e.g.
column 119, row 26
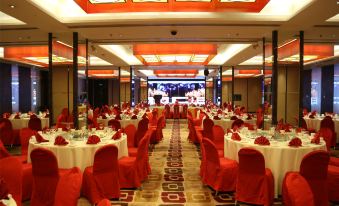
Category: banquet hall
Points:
column 169, row 102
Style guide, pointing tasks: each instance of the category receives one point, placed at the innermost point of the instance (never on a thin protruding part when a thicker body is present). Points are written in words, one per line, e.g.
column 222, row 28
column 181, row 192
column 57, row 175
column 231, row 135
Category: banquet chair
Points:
column 208, row 125
column 255, row 183
column 141, row 130
column 46, row 176
column 296, row 190
column 102, row 179
column 184, row 112
column 176, row 113
column 115, row 124
column 334, row 161
column 6, row 132
column 333, row 183
column 304, row 126
column 218, row 137
column 237, row 123
column 35, row 124
column 157, row 136
column 222, row 173
column 12, row 176
column 327, row 135
column 169, row 114
column 313, row 168
column 327, row 122
column 68, row 188
column 260, row 118
column 3, row 151
column 25, row 135
column 133, row 170
column 130, row 131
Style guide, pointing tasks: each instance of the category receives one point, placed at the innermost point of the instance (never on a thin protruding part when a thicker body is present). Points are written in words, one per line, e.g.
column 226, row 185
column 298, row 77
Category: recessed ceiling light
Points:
column 12, row 6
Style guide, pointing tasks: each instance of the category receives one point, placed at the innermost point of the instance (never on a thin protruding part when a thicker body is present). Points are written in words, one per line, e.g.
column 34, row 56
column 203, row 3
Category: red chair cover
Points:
column 157, row 135
column 237, row 123
column 314, row 169
column 104, row 202
column 27, row 181
column 208, row 125
column 176, row 113
column 115, row 124
column 35, row 124
column 25, row 135
column 130, row 131
column 133, row 170
column 45, row 177
column 68, row 188
column 260, row 118
column 296, row 190
column 184, row 111
column 221, row 174
column 6, row 132
column 334, row 161
column 327, row 122
column 102, row 179
column 141, row 130
column 255, row 184
column 218, row 137
column 3, row 151
column 12, row 175
column 333, row 183
column 327, row 135
column 169, row 115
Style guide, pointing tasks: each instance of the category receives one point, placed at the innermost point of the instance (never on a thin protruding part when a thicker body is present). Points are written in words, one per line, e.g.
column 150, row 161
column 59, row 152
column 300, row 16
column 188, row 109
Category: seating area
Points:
column 169, row 102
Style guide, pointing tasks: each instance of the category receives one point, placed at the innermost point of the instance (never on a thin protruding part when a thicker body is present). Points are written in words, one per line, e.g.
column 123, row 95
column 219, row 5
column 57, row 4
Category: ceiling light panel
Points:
column 226, row 52
column 150, row 58
column 227, row 1
column 124, row 52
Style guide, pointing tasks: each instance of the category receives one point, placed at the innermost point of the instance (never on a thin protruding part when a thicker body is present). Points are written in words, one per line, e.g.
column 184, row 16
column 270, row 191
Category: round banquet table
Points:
column 279, row 157
column 123, row 122
column 227, row 123
column 315, row 124
column 23, row 122
column 78, row 153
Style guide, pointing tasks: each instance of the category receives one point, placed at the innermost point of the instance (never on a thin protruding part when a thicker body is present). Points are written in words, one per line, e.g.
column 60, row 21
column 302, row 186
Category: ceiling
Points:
column 236, row 34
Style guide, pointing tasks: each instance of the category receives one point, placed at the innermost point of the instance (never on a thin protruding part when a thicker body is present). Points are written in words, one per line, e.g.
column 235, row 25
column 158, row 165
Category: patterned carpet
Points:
column 175, row 179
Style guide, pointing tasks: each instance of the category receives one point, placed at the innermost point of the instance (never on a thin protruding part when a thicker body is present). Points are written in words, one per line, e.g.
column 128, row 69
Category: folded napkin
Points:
column 59, row 140
column 136, row 111
column 311, row 116
column 103, row 116
column 316, row 139
column 299, row 129
column 262, row 141
column 117, row 135
column 216, row 117
column 287, row 129
column 249, row 117
column 229, row 131
column 219, row 111
column 47, row 115
column 134, row 117
column 295, row 142
column 39, row 138
column 33, row 116
column 3, row 189
column 234, row 118
column 17, row 116
column 6, row 115
column 93, row 139
column 236, row 137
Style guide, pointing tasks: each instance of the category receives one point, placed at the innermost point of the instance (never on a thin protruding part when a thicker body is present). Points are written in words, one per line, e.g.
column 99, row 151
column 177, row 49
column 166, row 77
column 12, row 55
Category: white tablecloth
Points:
column 279, row 157
column 123, row 122
column 227, row 123
column 315, row 124
column 78, row 153
column 23, row 122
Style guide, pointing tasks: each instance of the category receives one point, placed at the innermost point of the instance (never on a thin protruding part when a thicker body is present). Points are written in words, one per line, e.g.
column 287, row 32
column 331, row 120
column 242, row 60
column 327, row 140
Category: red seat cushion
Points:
column 132, row 151
column 333, row 183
